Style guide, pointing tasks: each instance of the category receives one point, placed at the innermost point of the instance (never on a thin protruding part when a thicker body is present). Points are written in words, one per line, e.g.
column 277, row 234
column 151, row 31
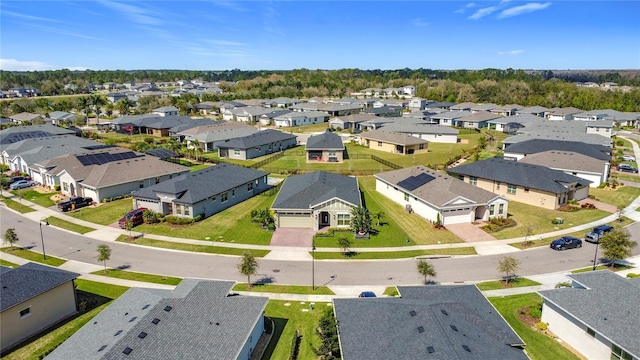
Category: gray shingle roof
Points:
column 303, row 191
column 39, row 149
column 565, row 160
column 18, row 133
column 203, row 323
column 392, row 137
column 609, row 305
column 426, row 322
column 420, row 128
column 259, row 138
column 542, row 145
column 29, row 280
column 193, row 187
column 325, row 141
column 517, row 173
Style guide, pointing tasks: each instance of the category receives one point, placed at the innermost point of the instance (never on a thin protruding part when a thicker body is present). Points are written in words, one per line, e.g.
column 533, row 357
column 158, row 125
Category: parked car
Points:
column 14, row 179
column 133, row 216
column 594, row 235
column 75, row 203
column 566, row 242
column 367, row 294
column 627, row 168
column 626, row 157
column 21, row 184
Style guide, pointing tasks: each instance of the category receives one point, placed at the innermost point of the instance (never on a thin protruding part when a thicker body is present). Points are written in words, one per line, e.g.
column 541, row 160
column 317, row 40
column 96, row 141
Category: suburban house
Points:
column 526, row 183
column 154, row 124
column 203, row 192
column 565, row 113
column 349, row 121
column 60, row 116
column 602, row 127
column 525, row 148
column 105, row 173
column 539, row 111
column 165, row 111
column 449, row 118
column 594, row 170
column 296, row 118
column 209, row 136
column 34, row 297
column 422, row 130
column 19, row 133
column 511, row 124
column 598, row 315
column 25, row 117
column 257, row 144
column 564, row 131
column 476, row 120
column 281, row 102
column 393, row 142
column 464, row 106
column 506, row 110
column 434, row 195
column 316, row 200
column 199, row 319
column 483, row 107
column 425, row 322
column 326, row 147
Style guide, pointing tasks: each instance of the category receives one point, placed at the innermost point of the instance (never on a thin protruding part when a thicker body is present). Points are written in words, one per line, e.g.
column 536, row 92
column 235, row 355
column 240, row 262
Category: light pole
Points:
column 313, row 260
column 44, row 254
column 595, row 257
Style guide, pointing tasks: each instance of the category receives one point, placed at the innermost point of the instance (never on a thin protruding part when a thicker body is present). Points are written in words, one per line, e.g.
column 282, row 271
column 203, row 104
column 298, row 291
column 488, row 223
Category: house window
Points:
column 332, row 153
column 498, row 183
column 157, row 180
column 213, row 198
column 492, row 209
column 179, row 209
column 501, row 209
column 344, row 219
column 379, row 143
column 406, row 197
column 421, row 147
column 618, row 354
column 140, row 184
column 233, row 192
column 65, row 186
column 461, row 177
column 511, row 189
column 25, row 312
column 224, row 197
column 236, row 151
column 591, row 332
column 187, row 210
column 473, row 180
column 526, row 190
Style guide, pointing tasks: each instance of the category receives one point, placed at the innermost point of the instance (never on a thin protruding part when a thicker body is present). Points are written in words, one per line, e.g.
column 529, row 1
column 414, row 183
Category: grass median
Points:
column 500, row 284
column 375, row 255
column 209, row 249
column 283, row 289
column 64, row 224
column 136, row 276
column 33, row 256
column 8, row 264
column 17, row 206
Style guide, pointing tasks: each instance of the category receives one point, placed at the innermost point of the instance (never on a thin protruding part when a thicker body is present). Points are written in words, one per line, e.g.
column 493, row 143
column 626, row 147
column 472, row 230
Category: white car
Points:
column 626, row 157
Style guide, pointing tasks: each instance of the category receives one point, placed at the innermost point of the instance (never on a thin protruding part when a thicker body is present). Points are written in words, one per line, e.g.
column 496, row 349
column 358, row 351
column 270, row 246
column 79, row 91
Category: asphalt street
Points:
column 72, row 246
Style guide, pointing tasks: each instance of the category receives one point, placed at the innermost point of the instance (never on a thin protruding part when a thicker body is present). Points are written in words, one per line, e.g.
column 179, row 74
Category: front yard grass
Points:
column 601, row 267
column 17, row 206
column 189, row 247
column 394, row 255
column 289, row 316
column 64, row 224
column 538, row 220
column 8, row 263
column 500, row 284
column 391, row 291
column 36, row 197
column 231, row 225
column 284, row 289
column 136, row 276
column 33, row 256
column 105, row 213
column 538, row 345
column 620, row 197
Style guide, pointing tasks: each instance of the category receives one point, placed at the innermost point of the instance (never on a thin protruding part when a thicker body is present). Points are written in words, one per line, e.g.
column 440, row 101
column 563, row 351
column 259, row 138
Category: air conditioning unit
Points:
column 407, row 208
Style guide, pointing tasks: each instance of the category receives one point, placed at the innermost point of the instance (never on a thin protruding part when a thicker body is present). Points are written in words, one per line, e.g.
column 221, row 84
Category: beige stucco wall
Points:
column 390, row 148
column 46, row 309
column 533, row 197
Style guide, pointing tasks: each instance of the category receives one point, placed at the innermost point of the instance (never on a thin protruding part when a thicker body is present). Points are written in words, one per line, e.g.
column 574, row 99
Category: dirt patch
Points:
column 526, row 318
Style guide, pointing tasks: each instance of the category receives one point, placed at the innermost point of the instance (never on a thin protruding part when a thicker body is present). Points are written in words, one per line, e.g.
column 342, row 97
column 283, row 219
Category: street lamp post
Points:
column 313, row 260
column 595, row 257
column 44, row 254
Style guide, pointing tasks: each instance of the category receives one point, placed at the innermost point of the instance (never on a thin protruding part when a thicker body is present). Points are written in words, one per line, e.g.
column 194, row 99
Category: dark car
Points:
column 627, row 168
column 134, row 217
column 594, row 235
column 566, row 242
column 367, row 294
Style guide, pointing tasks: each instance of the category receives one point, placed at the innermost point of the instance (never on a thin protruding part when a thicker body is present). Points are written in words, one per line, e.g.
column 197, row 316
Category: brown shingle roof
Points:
column 392, row 137
column 565, row 160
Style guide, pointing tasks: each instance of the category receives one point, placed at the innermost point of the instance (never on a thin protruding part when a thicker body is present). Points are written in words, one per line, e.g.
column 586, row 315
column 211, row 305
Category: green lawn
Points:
column 190, row 247
column 105, row 213
column 288, row 317
column 101, row 295
column 621, row 197
column 394, row 255
column 8, row 264
column 628, row 177
column 539, row 346
column 601, row 267
column 57, row 222
column 499, row 284
column 391, row 291
column 33, row 256
column 284, row 289
column 539, row 220
column 16, row 205
column 136, row 276
column 42, row 199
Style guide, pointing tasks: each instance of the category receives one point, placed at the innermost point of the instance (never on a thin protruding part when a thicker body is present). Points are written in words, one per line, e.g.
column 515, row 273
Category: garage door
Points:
column 458, row 217
column 295, row 220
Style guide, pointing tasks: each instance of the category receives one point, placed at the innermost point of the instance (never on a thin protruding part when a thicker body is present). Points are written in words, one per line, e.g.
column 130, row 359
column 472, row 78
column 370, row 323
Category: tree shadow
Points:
column 278, row 328
column 263, row 281
column 123, row 267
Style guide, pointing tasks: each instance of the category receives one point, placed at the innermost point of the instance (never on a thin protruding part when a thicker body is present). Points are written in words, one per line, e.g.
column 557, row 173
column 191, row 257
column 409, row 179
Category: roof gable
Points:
column 303, row 191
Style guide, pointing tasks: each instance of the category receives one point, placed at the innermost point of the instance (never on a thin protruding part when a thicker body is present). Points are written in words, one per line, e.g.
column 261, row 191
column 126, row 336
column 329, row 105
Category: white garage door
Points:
column 295, row 220
column 457, row 217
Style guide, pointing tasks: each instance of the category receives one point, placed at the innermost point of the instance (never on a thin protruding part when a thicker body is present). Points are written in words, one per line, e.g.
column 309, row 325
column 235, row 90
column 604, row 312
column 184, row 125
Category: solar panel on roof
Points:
column 414, row 182
column 105, row 157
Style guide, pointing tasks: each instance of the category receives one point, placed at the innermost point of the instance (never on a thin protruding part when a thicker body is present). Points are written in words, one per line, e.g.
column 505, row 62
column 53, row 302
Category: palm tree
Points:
column 195, row 145
column 124, row 106
column 84, row 103
column 360, row 220
column 97, row 100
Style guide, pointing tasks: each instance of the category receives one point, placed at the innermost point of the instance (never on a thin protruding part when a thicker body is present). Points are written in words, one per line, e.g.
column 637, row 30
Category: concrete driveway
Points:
column 296, row 237
column 470, row 232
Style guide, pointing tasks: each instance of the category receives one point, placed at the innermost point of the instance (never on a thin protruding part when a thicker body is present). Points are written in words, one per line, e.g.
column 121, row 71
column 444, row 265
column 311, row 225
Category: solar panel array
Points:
column 162, row 153
column 28, row 135
column 414, row 182
column 105, row 157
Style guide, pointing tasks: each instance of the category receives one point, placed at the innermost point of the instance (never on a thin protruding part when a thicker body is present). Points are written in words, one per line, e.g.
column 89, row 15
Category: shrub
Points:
column 149, row 140
column 588, row 206
column 619, row 142
column 178, row 220
column 536, row 310
column 57, row 187
column 111, row 141
column 4, row 168
column 198, row 217
column 542, row 326
column 632, row 275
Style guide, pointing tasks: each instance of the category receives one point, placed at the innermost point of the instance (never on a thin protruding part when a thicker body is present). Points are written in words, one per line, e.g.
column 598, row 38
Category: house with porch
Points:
column 316, row 200
column 255, row 145
column 204, row 192
column 393, row 142
column 297, row 118
column 349, row 121
column 325, row 147
column 434, row 195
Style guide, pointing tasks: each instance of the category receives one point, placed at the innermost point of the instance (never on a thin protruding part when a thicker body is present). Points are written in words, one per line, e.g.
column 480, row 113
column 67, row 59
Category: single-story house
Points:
column 209, row 136
column 384, row 111
column 19, row 133
column 203, row 192
column 540, row 111
column 526, row 183
column 572, row 163
column 316, row 200
column 506, row 110
column 522, row 149
column 349, row 121
column 199, row 319
column 598, row 315
column 448, row 118
column 425, row 322
column 59, row 116
column 483, row 107
column 257, row 144
column 297, row 118
column 465, row 106
column 565, row 113
column 422, row 130
column 511, row 124
column 393, row 142
column 602, row 127
column 165, row 111
column 34, row 297
column 325, row 147
column 434, row 195
column 105, row 173
column 25, row 117
column 477, row 120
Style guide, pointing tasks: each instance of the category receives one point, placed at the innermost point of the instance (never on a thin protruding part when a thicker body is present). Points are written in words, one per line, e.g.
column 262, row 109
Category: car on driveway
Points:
column 627, row 157
column 566, row 242
column 627, row 168
column 134, row 217
column 21, row 184
column 367, row 294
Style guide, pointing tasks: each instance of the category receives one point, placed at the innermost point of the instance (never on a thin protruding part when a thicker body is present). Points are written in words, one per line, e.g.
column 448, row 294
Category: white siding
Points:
column 418, row 206
column 458, row 217
column 294, row 220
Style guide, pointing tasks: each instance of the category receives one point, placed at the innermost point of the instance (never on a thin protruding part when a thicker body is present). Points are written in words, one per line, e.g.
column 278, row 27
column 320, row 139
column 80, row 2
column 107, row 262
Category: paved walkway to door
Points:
column 296, row 237
column 470, row 232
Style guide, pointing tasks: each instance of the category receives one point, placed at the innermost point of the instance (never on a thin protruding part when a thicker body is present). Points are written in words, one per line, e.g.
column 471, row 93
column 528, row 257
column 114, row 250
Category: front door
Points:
column 324, row 218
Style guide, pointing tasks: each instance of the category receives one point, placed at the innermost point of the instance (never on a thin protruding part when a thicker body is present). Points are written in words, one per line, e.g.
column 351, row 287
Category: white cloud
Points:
column 511, row 52
column 464, row 9
column 28, row 17
column 523, row 9
column 17, row 65
column 419, row 22
column 225, row 43
column 480, row 13
column 135, row 14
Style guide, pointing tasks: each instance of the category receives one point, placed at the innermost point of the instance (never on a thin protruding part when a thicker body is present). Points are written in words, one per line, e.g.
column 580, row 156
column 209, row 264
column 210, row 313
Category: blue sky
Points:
column 282, row 35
